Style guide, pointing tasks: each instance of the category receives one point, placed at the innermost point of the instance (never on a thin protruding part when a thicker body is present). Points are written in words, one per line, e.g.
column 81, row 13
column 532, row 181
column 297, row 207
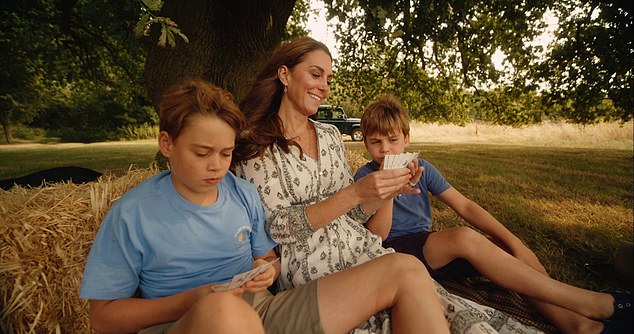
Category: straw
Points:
column 46, row 235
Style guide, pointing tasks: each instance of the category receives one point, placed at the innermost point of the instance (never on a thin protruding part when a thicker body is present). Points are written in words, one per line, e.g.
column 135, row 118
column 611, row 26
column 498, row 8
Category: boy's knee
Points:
column 223, row 310
column 217, row 303
column 466, row 238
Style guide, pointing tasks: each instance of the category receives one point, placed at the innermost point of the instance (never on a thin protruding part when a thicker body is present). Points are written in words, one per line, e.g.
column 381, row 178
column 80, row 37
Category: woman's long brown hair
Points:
column 264, row 127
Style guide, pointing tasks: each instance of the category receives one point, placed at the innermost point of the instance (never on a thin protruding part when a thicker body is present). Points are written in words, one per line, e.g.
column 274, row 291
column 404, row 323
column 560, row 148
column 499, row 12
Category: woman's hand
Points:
column 382, row 184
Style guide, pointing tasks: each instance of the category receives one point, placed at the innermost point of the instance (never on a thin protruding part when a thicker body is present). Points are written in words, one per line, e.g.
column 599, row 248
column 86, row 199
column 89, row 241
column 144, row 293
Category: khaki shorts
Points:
column 293, row 311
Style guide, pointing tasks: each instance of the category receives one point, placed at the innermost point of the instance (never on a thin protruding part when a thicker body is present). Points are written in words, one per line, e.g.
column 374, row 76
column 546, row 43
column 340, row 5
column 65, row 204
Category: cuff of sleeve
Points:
column 299, row 222
column 359, row 215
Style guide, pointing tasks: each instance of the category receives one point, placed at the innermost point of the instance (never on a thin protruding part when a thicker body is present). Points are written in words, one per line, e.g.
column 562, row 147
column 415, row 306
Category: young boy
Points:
column 174, row 234
column 405, row 224
column 165, row 244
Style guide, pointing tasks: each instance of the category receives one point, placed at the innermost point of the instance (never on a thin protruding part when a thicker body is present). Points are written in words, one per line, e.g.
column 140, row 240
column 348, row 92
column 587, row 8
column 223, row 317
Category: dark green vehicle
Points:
column 336, row 116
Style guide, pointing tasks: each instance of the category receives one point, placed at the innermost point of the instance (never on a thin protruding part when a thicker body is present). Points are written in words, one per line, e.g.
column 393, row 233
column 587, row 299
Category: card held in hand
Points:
column 392, row 161
column 244, row 277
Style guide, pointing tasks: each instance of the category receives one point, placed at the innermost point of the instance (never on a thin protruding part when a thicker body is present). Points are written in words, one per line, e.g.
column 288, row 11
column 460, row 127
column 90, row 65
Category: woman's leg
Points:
column 219, row 313
column 569, row 308
column 397, row 281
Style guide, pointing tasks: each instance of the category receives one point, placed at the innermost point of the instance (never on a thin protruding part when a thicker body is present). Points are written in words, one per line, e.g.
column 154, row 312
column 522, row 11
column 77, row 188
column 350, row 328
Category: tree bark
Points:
column 229, row 41
column 6, row 124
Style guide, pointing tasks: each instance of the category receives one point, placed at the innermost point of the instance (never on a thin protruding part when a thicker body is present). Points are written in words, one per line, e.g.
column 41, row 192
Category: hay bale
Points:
column 355, row 159
column 46, row 235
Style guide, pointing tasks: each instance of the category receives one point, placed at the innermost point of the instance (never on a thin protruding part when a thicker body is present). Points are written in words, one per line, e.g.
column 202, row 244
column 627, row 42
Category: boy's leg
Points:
column 396, row 281
column 219, row 313
column 567, row 307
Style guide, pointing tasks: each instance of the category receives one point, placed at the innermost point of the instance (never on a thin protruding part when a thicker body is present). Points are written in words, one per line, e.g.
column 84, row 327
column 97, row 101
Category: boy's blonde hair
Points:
column 385, row 116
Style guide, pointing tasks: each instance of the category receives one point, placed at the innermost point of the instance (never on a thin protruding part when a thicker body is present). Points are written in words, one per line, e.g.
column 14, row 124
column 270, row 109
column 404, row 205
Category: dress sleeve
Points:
column 286, row 222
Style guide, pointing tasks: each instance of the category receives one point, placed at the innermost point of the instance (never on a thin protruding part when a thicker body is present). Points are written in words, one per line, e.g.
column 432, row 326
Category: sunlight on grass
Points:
column 602, row 135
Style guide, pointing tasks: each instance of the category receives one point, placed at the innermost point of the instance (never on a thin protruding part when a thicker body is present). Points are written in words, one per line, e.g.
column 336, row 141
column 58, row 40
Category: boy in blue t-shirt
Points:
column 171, row 236
column 405, row 224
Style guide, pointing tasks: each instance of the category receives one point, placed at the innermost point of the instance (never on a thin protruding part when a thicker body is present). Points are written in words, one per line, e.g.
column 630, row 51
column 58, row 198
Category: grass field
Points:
column 566, row 190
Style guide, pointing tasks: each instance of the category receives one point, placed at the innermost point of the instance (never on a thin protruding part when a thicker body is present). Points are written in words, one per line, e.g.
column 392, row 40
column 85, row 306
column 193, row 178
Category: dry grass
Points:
column 46, row 235
column 602, row 135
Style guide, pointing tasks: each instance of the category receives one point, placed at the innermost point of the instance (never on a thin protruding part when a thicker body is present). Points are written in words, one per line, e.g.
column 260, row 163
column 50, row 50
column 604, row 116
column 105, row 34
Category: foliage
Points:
column 296, row 25
column 507, row 105
column 58, row 55
column 169, row 28
column 77, row 65
column 590, row 66
column 431, row 51
column 434, row 53
column 91, row 112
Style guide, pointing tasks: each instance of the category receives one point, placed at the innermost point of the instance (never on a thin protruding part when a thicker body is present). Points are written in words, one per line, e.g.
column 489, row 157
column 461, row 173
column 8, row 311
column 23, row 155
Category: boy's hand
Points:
column 416, row 172
column 263, row 280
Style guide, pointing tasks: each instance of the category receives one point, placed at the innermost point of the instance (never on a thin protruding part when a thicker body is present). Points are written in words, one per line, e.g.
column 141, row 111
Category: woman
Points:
column 315, row 212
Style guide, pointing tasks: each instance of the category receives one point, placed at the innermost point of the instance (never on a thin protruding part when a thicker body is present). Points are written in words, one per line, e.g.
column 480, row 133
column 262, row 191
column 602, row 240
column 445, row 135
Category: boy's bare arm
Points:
column 381, row 222
column 481, row 219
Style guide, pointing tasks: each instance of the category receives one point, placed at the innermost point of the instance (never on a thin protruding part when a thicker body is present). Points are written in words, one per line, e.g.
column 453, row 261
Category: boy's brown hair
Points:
column 385, row 116
column 193, row 97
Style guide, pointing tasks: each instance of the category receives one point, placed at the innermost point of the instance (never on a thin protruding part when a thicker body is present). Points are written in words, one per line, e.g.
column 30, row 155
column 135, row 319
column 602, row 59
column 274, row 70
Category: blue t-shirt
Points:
column 155, row 240
column 412, row 213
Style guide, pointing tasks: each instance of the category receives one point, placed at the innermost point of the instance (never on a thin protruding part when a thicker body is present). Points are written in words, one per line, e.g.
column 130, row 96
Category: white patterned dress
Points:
column 288, row 183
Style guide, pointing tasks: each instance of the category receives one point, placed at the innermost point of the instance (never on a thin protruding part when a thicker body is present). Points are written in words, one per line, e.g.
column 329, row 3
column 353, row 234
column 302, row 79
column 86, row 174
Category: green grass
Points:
column 113, row 157
column 572, row 206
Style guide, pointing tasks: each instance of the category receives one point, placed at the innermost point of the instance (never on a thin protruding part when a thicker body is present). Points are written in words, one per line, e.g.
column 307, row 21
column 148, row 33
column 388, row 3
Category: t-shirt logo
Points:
column 242, row 235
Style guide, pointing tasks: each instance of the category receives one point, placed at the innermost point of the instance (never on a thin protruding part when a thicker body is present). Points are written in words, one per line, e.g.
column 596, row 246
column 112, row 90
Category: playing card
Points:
column 244, row 277
column 392, row 161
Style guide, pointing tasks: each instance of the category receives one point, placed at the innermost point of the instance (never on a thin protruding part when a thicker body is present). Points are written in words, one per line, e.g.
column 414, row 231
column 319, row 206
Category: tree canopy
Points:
column 77, row 64
column 438, row 57
column 71, row 64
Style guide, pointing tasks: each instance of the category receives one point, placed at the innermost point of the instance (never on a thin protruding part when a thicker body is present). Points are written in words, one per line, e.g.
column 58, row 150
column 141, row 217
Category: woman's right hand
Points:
column 382, row 184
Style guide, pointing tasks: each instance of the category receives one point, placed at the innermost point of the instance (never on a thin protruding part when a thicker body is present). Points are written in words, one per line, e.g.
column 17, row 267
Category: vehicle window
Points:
column 324, row 113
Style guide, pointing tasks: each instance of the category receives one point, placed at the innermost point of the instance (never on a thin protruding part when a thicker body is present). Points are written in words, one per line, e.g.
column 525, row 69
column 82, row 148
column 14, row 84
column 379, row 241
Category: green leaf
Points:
column 163, row 38
column 153, row 5
column 142, row 26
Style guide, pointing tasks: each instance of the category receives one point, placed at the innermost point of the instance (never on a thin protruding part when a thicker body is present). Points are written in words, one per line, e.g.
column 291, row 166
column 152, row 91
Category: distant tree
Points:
column 590, row 69
column 431, row 52
column 55, row 52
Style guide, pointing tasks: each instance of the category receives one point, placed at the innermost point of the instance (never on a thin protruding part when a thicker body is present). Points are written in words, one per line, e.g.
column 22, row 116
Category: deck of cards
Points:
column 392, row 161
column 242, row 278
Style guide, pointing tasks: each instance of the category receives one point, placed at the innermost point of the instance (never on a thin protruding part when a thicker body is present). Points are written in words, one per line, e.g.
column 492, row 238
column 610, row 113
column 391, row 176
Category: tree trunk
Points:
column 6, row 126
column 229, row 41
